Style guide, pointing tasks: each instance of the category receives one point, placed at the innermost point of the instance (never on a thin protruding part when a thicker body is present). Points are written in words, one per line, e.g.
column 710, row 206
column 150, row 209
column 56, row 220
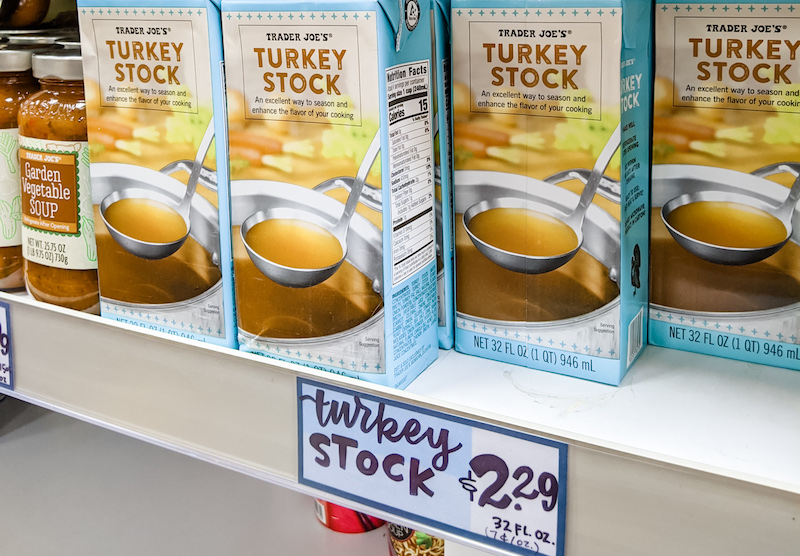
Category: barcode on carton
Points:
column 635, row 336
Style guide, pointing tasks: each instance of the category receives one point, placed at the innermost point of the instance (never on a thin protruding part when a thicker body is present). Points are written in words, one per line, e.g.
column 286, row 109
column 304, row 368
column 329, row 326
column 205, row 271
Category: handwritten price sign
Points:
column 494, row 485
column 6, row 369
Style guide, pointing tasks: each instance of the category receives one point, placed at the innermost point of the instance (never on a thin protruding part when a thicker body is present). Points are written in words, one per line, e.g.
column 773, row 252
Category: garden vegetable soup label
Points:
column 58, row 229
column 10, row 199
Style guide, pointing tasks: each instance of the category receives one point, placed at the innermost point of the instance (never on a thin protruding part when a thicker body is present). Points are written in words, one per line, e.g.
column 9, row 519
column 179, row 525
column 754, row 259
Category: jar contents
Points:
column 57, row 213
column 25, row 14
column 16, row 84
column 146, row 220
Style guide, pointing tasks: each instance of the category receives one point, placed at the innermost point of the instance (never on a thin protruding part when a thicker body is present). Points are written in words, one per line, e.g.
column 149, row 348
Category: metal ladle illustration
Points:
column 531, row 264
column 153, row 250
column 721, row 254
column 306, row 277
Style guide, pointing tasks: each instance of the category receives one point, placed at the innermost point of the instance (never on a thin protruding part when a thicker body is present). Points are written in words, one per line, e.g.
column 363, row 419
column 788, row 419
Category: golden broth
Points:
column 486, row 290
column 523, row 231
column 727, row 224
column 146, row 220
column 684, row 281
column 294, row 243
column 10, row 263
column 124, row 277
column 270, row 310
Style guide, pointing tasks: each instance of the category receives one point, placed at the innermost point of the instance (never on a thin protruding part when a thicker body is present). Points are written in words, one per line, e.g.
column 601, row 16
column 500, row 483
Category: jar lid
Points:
column 5, row 33
column 31, row 47
column 15, row 60
column 59, row 64
column 75, row 44
column 40, row 32
column 24, row 40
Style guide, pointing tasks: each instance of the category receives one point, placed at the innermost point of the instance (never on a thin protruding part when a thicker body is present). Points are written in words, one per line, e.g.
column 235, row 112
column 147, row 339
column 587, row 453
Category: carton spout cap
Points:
column 403, row 16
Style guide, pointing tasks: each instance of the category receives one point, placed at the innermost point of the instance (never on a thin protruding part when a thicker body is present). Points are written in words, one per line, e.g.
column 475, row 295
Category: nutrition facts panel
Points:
column 410, row 168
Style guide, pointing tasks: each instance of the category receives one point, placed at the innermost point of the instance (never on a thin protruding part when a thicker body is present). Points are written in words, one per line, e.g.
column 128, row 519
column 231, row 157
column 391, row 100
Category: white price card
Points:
column 497, row 486
column 6, row 367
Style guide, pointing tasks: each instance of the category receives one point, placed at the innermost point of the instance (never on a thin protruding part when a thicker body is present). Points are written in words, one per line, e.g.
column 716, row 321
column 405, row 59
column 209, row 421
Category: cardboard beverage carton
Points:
column 331, row 152
column 156, row 120
column 726, row 155
column 443, row 142
column 551, row 147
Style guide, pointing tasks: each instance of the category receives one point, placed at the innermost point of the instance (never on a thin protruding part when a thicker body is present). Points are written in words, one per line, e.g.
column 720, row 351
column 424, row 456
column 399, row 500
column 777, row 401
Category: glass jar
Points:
column 19, row 14
column 23, row 13
column 57, row 214
column 16, row 84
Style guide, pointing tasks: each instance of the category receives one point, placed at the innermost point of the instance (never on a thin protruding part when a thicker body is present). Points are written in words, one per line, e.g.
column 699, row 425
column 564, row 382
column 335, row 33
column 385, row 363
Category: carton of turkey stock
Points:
column 551, row 154
column 330, row 102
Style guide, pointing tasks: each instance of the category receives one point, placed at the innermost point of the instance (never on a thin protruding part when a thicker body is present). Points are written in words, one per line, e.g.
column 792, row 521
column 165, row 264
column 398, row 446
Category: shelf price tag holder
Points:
column 496, row 486
column 6, row 362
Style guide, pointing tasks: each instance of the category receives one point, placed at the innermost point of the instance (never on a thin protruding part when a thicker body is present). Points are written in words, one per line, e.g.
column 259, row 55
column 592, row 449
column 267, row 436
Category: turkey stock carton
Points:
column 726, row 161
column 443, row 141
column 551, row 108
column 156, row 126
column 333, row 204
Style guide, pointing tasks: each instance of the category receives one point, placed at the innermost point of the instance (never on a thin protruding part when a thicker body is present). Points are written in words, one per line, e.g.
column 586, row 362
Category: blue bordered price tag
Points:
column 6, row 366
column 494, row 485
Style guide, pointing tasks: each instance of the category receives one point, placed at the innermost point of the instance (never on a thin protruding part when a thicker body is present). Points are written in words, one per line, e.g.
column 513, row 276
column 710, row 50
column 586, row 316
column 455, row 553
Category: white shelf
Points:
column 691, row 454
column 710, row 414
